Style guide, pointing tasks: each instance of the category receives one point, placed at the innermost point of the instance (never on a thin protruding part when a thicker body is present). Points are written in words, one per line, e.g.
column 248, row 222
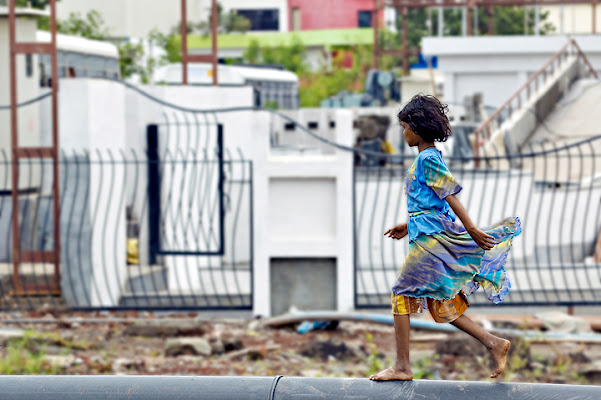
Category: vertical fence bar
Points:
column 220, row 188
column 154, row 194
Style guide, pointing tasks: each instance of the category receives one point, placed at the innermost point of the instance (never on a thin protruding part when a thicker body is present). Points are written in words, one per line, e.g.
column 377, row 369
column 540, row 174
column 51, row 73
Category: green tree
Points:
column 91, row 25
column 132, row 58
column 291, row 56
column 252, row 54
column 226, row 23
column 508, row 20
column 327, row 80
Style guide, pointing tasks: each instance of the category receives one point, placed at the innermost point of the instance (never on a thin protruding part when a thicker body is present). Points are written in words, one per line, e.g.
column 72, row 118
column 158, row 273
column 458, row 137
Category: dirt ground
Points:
column 188, row 344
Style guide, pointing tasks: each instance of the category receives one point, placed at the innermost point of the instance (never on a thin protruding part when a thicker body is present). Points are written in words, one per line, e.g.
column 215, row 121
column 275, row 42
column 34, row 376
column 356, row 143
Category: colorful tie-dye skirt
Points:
column 440, row 265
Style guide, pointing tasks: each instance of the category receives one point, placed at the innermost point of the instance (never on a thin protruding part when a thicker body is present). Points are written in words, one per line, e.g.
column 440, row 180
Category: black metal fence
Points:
column 555, row 189
column 116, row 208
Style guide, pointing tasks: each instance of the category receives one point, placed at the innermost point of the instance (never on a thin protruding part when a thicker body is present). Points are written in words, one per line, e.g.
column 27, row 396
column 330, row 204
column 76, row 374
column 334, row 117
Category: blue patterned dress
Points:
column 443, row 258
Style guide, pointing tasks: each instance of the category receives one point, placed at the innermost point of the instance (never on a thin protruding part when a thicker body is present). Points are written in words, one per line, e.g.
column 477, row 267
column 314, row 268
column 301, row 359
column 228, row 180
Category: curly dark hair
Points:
column 427, row 117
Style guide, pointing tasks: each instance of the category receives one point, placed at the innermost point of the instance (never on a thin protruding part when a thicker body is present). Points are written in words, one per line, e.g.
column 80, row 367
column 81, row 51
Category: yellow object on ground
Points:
column 132, row 251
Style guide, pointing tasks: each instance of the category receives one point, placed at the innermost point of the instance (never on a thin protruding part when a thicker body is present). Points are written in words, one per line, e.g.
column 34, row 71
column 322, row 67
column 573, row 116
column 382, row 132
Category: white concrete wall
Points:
column 497, row 66
column 92, row 115
column 303, row 209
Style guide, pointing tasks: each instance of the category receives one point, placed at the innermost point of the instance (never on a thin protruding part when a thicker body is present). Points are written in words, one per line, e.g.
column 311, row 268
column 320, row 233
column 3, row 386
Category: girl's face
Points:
column 412, row 138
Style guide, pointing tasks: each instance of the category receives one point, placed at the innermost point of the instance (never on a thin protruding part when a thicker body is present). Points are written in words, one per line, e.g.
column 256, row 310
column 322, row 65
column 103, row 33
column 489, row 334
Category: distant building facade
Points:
column 136, row 18
column 332, row 14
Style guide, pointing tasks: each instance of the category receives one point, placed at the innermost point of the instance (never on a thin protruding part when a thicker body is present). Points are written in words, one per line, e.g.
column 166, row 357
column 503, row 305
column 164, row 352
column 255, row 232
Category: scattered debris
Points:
column 165, row 328
column 308, row 326
column 254, row 353
column 562, row 323
column 326, row 348
column 187, row 346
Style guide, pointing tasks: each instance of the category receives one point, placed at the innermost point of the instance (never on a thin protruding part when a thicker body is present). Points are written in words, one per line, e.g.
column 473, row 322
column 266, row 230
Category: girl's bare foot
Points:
column 499, row 356
column 392, row 374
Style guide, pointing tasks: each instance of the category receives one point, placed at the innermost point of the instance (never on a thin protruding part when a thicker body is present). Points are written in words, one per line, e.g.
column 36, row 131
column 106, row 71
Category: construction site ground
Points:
column 192, row 344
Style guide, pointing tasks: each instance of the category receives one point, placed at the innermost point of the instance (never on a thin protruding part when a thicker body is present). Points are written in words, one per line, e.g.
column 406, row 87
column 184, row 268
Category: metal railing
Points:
column 521, row 96
column 108, row 260
column 555, row 189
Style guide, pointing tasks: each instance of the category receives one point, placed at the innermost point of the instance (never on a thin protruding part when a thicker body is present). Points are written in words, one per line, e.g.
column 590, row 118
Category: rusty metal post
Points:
column 491, row 20
column 14, row 144
column 405, row 42
column 469, row 22
column 184, row 34
column 187, row 58
column 18, row 152
column 375, row 23
column 594, row 12
column 55, row 149
column 214, row 22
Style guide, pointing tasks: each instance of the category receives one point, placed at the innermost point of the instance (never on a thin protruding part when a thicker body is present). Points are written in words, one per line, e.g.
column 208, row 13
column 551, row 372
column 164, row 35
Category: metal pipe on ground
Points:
column 35, row 387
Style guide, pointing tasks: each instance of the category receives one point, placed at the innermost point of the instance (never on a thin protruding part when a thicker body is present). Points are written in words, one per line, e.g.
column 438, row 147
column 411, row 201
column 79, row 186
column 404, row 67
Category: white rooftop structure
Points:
column 497, row 66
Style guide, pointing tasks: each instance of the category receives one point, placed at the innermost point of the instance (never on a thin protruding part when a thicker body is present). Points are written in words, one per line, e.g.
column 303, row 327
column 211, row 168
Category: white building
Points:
column 497, row 66
column 573, row 18
column 136, row 18
column 28, row 86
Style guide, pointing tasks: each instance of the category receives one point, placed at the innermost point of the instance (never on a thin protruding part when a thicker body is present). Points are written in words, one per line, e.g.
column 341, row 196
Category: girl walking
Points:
column 446, row 261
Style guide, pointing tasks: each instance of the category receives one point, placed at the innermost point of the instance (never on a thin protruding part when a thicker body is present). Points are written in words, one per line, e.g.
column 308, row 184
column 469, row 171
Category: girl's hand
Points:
column 398, row 232
column 482, row 239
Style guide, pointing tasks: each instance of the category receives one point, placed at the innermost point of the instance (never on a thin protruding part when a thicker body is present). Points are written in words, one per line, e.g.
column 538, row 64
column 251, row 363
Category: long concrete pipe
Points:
column 34, row 387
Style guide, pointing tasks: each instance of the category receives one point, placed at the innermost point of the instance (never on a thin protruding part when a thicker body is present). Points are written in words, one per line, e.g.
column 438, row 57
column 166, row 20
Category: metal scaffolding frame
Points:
column 403, row 7
column 188, row 58
column 19, row 153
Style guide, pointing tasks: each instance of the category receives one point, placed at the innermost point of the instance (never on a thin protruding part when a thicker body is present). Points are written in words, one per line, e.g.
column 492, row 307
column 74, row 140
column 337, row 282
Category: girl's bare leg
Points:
column 497, row 347
column 401, row 370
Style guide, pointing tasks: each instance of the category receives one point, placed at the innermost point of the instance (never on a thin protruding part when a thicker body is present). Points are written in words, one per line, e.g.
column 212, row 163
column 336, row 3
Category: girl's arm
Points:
column 398, row 232
column 481, row 238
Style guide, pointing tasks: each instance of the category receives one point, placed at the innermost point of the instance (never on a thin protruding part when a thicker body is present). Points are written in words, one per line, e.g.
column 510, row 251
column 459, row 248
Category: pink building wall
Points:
column 329, row 14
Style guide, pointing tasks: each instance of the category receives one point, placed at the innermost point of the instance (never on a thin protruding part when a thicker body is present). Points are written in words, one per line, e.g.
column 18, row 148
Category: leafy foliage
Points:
column 327, row 80
column 226, row 23
column 24, row 357
column 91, row 25
column 508, row 20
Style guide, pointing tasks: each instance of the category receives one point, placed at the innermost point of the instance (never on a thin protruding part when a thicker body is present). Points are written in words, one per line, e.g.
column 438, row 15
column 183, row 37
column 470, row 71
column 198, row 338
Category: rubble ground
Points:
column 187, row 344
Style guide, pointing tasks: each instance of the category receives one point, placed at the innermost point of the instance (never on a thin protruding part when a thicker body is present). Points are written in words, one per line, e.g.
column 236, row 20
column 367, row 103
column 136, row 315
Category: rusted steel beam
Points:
column 186, row 57
column 184, row 34
column 35, row 152
column 38, row 257
column 199, row 58
column 491, row 20
column 376, row 26
column 399, row 52
column 594, row 13
column 475, row 3
column 32, row 48
column 405, row 38
column 14, row 136
column 55, row 144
